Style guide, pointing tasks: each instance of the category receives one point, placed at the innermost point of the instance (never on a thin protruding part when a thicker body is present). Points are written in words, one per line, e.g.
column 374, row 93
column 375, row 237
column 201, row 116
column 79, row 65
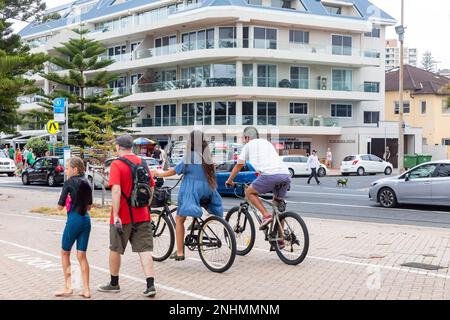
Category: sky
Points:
column 427, row 22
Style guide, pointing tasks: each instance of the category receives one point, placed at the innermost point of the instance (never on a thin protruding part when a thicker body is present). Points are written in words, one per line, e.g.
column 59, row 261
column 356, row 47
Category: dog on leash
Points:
column 342, row 182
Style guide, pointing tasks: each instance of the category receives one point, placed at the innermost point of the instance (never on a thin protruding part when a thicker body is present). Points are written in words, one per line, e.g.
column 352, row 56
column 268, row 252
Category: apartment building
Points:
column 425, row 106
column 393, row 55
column 310, row 73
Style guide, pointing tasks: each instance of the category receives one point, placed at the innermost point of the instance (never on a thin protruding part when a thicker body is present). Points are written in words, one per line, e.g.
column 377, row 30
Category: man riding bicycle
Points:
column 274, row 175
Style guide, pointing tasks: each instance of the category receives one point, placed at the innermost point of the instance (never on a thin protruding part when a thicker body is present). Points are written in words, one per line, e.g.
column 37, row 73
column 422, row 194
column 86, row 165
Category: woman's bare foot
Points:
column 64, row 293
column 85, row 294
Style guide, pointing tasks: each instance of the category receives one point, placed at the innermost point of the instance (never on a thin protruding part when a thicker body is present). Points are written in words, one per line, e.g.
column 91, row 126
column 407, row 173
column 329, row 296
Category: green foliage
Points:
column 38, row 145
column 51, row 16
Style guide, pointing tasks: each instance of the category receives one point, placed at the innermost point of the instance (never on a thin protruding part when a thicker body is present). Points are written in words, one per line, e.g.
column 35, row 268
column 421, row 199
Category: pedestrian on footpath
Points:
column 11, row 152
column 31, row 158
column 313, row 164
column 19, row 162
column 76, row 196
column 329, row 159
column 25, row 156
column 130, row 222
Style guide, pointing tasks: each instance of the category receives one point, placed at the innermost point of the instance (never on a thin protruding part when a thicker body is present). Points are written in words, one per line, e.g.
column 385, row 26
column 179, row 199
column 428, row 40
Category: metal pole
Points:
column 66, row 123
column 401, row 123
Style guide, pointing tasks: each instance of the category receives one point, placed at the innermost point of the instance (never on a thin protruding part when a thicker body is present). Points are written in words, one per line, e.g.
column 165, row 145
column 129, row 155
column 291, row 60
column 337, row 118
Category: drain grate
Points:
column 425, row 266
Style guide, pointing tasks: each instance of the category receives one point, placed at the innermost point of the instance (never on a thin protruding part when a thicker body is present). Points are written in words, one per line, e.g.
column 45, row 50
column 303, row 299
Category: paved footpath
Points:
column 347, row 260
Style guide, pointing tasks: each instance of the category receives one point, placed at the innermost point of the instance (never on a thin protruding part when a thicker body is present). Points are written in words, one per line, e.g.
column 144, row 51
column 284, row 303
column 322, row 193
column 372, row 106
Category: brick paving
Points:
column 347, row 260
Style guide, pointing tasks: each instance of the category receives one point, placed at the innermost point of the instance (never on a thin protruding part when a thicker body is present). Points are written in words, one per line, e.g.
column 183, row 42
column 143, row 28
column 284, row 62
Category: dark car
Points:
column 47, row 170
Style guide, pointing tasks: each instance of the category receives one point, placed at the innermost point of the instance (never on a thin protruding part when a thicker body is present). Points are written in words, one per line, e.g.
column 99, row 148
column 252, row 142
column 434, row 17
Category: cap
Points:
column 125, row 141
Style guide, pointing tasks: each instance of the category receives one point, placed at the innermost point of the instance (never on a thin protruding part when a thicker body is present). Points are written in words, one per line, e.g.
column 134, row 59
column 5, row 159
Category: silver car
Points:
column 428, row 183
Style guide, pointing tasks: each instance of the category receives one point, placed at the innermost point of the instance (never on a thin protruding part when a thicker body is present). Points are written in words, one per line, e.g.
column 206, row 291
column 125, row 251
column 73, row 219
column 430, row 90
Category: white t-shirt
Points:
column 263, row 157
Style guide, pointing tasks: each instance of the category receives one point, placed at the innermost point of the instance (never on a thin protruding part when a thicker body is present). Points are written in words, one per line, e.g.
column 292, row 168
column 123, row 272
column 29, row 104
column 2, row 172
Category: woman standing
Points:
column 31, row 157
column 19, row 162
column 199, row 185
column 76, row 195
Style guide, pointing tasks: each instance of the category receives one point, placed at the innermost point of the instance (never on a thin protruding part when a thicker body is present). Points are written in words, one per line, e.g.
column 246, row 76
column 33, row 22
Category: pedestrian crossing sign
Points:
column 52, row 127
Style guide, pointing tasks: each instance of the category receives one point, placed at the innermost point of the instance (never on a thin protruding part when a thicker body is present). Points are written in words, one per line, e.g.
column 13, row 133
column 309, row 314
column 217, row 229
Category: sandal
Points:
column 176, row 257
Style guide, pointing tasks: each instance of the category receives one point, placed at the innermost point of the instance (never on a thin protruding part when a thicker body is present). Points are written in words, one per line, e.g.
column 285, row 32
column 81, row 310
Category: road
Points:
column 325, row 201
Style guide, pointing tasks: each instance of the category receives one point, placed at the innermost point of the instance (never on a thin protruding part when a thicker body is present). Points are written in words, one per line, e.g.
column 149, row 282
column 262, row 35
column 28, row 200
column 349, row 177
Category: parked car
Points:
column 365, row 163
column 7, row 165
column 152, row 163
column 100, row 178
column 247, row 175
column 297, row 166
column 427, row 183
column 47, row 170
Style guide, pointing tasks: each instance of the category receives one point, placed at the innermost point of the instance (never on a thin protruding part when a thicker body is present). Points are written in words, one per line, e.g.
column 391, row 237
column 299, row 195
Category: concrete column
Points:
column 238, row 112
column 239, row 73
column 239, row 34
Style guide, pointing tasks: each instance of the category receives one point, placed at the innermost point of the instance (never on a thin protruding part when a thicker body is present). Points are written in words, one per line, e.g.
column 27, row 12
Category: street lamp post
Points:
column 400, row 30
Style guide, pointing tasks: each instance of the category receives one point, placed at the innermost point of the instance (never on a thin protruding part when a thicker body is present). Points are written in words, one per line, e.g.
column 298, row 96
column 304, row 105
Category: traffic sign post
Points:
column 52, row 127
column 60, row 114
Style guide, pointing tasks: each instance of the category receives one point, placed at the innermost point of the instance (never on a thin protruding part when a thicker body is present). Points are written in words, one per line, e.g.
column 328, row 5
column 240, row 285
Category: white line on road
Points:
column 164, row 287
column 331, row 194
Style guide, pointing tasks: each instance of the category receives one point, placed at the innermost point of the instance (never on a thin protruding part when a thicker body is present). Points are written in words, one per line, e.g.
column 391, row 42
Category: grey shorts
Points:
column 277, row 183
column 141, row 240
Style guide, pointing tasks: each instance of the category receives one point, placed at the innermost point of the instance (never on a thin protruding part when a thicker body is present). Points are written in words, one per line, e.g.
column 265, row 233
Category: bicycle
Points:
column 214, row 236
column 282, row 233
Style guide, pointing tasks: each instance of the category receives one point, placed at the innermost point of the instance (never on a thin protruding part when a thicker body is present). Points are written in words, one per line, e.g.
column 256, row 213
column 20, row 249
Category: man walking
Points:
column 313, row 164
column 329, row 159
column 127, row 226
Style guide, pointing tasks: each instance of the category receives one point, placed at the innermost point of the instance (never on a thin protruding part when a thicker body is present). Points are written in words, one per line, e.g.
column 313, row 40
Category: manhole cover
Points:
column 422, row 266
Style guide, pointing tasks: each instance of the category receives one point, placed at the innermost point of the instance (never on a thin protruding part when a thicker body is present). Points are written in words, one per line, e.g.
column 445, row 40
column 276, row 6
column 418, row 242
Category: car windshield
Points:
column 349, row 158
column 152, row 162
column 2, row 154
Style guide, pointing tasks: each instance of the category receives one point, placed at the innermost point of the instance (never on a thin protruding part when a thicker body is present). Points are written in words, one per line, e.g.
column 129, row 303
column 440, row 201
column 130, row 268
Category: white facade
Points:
column 307, row 82
column 393, row 55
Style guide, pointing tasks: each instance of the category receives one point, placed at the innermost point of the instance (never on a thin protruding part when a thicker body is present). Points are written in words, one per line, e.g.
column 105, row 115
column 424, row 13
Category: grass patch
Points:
column 97, row 211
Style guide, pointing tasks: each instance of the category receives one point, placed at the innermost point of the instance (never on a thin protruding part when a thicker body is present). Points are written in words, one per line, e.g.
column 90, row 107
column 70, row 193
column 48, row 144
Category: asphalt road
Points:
column 324, row 201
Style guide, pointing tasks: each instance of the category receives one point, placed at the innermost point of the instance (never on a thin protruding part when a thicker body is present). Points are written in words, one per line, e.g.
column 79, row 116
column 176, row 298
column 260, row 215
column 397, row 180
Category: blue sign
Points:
column 59, row 105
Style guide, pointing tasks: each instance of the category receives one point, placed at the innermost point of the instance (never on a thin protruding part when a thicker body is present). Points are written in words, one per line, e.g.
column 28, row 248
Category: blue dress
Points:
column 195, row 187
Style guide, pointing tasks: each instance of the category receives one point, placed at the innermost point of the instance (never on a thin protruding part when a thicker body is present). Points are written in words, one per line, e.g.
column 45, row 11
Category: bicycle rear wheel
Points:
column 244, row 229
column 293, row 233
column 217, row 244
column 163, row 236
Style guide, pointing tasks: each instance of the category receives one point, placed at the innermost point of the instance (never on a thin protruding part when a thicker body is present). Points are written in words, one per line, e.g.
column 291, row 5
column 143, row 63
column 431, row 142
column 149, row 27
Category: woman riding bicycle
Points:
column 198, row 188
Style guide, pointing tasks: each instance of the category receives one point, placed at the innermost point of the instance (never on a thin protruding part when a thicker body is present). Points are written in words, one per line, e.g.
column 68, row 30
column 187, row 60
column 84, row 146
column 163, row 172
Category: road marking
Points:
column 332, row 194
column 62, row 220
column 164, row 287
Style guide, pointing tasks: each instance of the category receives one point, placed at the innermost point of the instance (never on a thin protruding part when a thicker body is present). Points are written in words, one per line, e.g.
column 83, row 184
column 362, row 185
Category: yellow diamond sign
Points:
column 52, row 127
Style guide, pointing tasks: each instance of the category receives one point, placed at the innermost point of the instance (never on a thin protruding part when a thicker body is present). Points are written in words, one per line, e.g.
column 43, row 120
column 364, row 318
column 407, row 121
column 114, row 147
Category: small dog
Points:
column 342, row 182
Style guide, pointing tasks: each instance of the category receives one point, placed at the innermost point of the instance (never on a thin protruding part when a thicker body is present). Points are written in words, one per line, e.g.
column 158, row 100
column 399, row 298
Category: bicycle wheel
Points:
column 244, row 229
column 295, row 236
column 163, row 237
column 217, row 244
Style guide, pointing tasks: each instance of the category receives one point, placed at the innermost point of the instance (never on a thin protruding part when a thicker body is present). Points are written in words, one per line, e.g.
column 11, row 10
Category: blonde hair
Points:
column 76, row 162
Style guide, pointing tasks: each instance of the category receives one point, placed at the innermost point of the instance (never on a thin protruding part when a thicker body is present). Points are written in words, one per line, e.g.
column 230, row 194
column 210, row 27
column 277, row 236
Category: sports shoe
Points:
column 149, row 292
column 265, row 223
column 281, row 245
column 280, row 204
column 109, row 288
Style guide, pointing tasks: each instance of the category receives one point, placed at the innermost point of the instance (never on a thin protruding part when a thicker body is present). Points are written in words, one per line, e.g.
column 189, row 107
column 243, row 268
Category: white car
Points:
column 365, row 163
column 297, row 166
column 7, row 165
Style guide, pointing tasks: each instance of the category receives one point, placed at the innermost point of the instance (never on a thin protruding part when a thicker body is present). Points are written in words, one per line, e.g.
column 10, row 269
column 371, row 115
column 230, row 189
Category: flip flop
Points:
column 63, row 294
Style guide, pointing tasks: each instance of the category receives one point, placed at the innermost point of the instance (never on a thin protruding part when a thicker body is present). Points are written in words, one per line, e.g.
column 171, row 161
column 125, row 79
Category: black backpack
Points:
column 141, row 193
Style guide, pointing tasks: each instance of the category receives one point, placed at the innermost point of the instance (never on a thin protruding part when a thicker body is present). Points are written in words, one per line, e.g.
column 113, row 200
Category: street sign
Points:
column 59, row 109
column 52, row 127
column 53, row 138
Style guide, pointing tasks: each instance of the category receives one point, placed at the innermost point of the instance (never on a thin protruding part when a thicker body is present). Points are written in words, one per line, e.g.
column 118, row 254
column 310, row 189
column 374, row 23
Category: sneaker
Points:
column 281, row 245
column 149, row 292
column 280, row 204
column 265, row 223
column 109, row 288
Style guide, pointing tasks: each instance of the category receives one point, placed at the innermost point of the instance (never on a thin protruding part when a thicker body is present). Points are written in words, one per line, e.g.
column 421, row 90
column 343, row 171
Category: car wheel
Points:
column 360, row 171
column 25, row 179
column 51, row 181
column 292, row 172
column 388, row 171
column 321, row 172
column 387, row 198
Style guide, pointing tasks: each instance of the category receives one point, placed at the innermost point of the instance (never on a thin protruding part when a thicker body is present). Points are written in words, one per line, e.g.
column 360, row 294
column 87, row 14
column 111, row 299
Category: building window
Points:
column 267, row 113
column 300, row 77
column 245, row 34
column 134, row 78
column 255, row 2
column 247, row 75
column 285, row 4
column 165, row 45
column 165, row 115
column 446, row 142
column 342, row 80
column 247, row 113
column 196, row 73
column 298, row 108
column 267, row 75
column 406, row 108
column 224, row 113
column 298, row 36
column 341, row 110
column 188, row 114
column 227, row 37
column 371, row 117
column 370, row 86
column 342, row 45
column 265, row 38
column 117, row 51
column 197, row 40
column 333, row 10
column 203, row 113
column 423, row 107
column 375, row 33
